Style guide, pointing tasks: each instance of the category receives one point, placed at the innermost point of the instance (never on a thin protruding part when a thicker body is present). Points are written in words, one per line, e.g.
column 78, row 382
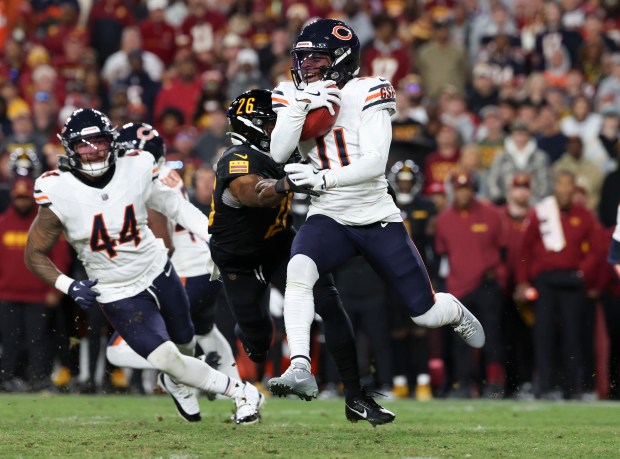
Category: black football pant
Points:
column 611, row 304
column 248, row 297
column 559, row 311
column 26, row 327
column 485, row 302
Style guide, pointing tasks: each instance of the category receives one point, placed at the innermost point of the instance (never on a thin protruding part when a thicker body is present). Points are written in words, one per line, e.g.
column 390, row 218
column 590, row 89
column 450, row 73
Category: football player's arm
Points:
column 286, row 133
column 161, row 229
column 375, row 136
column 43, row 235
column 170, row 203
column 614, row 249
column 243, row 189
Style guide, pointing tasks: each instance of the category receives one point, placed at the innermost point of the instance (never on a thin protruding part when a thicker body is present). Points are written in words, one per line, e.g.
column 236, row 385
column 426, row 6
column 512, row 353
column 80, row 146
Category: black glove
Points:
column 83, row 293
column 293, row 188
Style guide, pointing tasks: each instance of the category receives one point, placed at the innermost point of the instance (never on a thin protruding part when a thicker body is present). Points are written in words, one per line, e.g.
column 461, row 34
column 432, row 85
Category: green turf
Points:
column 125, row 426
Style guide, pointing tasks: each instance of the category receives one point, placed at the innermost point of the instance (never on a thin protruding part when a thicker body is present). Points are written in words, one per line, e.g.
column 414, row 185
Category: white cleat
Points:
column 468, row 327
column 248, row 405
column 184, row 397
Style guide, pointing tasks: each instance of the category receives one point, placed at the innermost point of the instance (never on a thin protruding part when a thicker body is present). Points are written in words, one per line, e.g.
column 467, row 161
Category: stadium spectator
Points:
column 26, row 302
column 247, row 75
column 548, row 135
column 553, row 261
column 553, row 37
column 520, row 154
column 202, row 185
column 386, row 55
column 490, row 135
column 608, row 93
column 581, row 121
column 23, row 136
column 587, row 174
column 117, row 66
column 158, row 36
column 603, row 148
column 518, row 317
column 440, row 63
column 214, row 137
column 469, row 235
column 107, row 21
column 610, row 196
column 142, row 90
column 483, row 91
column 439, row 164
column 181, row 91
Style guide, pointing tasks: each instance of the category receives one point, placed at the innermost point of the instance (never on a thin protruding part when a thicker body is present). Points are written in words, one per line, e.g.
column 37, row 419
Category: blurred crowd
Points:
column 505, row 153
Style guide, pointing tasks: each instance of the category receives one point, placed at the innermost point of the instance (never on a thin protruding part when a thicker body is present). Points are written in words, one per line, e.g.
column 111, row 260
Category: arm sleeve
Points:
column 375, row 137
column 285, row 135
column 170, row 203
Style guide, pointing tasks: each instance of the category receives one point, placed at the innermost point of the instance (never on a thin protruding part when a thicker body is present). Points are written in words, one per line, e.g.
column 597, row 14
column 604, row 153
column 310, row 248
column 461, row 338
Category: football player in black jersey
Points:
column 251, row 242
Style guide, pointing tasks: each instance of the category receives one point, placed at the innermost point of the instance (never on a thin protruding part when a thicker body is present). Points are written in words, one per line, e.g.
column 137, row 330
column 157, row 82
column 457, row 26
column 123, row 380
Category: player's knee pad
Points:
column 167, row 358
column 301, row 273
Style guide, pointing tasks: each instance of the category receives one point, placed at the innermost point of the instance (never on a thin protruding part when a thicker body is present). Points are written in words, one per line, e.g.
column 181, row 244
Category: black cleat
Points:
column 365, row 408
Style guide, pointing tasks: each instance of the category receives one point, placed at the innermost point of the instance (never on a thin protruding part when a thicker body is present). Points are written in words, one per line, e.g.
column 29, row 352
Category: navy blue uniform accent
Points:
column 202, row 294
column 386, row 246
column 157, row 314
column 614, row 252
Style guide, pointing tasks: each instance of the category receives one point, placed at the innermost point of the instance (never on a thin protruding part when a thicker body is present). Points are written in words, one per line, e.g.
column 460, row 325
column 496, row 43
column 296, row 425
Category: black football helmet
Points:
column 408, row 172
column 334, row 38
column 141, row 136
column 248, row 116
column 84, row 124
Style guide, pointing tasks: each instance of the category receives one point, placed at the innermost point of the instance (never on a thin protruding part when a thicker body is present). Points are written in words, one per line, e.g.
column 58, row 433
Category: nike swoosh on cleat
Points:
column 300, row 379
column 312, row 94
column 363, row 414
column 241, row 156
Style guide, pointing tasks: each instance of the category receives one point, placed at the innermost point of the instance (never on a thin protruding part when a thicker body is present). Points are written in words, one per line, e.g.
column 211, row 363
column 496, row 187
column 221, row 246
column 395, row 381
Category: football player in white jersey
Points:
column 614, row 249
column 101, row 206
column 354, row 214
column 190, row 257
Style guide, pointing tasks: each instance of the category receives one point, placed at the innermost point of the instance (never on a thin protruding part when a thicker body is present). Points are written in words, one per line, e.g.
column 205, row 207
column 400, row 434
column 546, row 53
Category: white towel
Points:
column 548, row 213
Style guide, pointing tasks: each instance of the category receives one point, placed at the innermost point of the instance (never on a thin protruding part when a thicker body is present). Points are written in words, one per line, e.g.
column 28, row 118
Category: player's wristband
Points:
column 63, row 283
column 279, row 186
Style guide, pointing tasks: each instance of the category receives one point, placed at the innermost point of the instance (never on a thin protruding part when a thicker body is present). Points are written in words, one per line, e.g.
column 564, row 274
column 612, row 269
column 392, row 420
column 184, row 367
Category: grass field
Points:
column 36, row 426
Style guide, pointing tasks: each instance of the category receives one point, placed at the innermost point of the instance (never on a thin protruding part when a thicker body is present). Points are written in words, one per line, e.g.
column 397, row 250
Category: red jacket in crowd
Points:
column 16, row 282
column 513, row 234
column 472, row 240
column 579, row 226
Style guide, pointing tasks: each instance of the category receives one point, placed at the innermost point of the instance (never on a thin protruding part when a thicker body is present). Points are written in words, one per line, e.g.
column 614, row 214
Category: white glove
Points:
column 317, row 95
column 306, row 175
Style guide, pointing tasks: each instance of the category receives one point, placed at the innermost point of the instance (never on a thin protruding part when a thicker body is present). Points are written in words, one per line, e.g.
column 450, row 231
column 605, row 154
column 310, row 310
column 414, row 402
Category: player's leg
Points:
column 247, row 295
column 320, row 245
column 340, row 341
column 390, row 251
column 203, row 294
column 120, row 354
column 139, row 321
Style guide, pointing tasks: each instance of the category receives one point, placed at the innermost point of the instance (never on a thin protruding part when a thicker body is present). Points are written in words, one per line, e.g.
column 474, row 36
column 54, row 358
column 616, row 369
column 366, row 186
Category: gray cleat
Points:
column 296, row 380
column 468, row 327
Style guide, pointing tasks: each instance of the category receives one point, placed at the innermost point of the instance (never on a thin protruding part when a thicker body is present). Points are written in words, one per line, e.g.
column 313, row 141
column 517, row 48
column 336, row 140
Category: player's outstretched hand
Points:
column 83, row 293
column 268, row 188
column 319, row 94
column 305, row 175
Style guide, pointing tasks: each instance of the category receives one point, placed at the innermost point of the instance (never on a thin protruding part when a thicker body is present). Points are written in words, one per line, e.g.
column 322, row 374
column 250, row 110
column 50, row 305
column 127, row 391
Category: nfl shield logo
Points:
column 104, row 196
